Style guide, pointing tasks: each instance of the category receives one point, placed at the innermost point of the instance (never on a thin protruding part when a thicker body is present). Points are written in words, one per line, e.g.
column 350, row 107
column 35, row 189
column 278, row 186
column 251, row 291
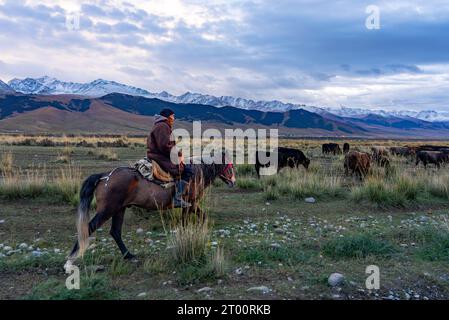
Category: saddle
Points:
column 153, row 172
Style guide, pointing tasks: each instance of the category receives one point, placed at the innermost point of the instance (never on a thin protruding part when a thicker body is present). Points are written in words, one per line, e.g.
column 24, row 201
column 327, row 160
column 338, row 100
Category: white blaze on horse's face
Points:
column 232, row 177
column 228, row 175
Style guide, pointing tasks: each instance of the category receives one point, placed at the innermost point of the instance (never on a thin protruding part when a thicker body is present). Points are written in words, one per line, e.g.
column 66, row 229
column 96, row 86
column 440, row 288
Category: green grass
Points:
column 21, row 263
column 401, row 192
column 433, row 244
column 249, row 183
column 195, row 272
column 119, row 267
column 271, row 193
column 357, row 246
column 94, row 287
column 245, row 169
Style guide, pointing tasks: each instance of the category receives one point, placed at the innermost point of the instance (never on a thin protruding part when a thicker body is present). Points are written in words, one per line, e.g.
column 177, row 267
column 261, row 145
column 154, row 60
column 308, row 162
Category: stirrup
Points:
column 180, row 203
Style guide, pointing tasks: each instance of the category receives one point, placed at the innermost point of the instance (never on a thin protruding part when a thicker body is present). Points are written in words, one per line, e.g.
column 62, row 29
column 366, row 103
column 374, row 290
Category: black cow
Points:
column 286, row 157
column 403, row 151
column 434, row 157
column 346, row 147
column 333, row 148
column 444, row 149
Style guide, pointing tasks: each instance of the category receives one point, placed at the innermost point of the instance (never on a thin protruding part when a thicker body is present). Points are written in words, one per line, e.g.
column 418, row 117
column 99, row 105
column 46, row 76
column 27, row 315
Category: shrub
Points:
column 107, row 154
column 245, row 169
column 218, row 262
column 248, row 183
column 6, row 163
column 94, row 287
column 299, row 185
column 34, row 183
column 433, row 244
column 29, row 184
column 373, row 190
column 188, row 242
column 68, row 184
column 271, row 193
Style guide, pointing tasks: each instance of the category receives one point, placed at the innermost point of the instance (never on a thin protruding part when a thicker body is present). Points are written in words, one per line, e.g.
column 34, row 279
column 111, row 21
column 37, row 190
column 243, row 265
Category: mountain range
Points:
column 97, row 88
column 47, row 105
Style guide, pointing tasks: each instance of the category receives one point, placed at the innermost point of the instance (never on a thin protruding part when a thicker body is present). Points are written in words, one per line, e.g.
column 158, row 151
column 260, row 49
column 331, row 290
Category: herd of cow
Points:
column 357, row 162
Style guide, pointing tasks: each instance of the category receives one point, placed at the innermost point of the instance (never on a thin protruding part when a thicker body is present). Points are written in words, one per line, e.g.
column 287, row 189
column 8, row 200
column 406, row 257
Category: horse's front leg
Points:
column 116, row 233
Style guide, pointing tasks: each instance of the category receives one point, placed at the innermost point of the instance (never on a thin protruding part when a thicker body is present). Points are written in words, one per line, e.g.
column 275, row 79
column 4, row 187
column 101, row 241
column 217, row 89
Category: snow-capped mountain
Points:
column 97, row 88
column 426, row 115
column 241, row 103
column 50, row 86
column 4, row 88
column 433, row 116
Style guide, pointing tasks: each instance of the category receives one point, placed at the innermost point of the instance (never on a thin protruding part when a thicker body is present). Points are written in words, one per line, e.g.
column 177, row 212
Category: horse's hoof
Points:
column 130, row 257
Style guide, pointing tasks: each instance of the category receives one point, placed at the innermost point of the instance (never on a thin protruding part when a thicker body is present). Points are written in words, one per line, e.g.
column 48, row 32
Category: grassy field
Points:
column 264, row 240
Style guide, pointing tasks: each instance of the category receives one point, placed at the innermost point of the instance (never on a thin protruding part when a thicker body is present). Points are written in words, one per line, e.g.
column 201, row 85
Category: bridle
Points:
column 225, row 170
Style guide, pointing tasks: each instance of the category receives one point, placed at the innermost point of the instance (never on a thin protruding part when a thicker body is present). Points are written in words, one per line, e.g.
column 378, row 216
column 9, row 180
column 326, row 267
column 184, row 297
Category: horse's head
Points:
column 228, row 173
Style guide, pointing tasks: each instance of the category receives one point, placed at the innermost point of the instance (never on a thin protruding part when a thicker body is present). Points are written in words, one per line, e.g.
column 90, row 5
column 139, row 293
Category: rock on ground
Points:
column 261, row 289
column 310, row 200
column 335, row 279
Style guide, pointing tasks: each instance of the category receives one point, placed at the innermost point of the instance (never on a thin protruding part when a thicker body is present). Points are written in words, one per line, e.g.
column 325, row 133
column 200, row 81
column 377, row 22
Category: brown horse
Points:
column 125, row 187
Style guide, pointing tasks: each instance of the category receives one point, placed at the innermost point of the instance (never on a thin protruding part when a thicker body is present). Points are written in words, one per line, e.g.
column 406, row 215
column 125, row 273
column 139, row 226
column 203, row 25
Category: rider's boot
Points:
column 178, row 202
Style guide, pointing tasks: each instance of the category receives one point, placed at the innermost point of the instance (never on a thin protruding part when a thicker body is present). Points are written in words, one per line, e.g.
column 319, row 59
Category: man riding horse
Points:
column 125, row 187
column 161, row 145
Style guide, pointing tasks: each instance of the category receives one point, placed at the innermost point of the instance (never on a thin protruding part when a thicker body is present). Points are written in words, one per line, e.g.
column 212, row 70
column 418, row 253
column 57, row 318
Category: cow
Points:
column 358, row 162
column 402, row 151
column 383, row 161
column 286, row 157
column 346, row 148
column 379, row 152
column 333, row 148
column 433, row 148
column 434, row 157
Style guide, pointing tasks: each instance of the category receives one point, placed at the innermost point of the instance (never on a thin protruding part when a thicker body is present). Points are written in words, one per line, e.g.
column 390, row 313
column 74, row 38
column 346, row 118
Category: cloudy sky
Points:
column 303, row 51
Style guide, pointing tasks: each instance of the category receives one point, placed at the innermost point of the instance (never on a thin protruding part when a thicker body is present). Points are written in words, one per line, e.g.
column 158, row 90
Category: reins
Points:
column 222, row 174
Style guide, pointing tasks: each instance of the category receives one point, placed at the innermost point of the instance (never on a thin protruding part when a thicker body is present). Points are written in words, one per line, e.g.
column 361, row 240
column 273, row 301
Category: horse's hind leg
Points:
column 96, row 222
column 116, row 233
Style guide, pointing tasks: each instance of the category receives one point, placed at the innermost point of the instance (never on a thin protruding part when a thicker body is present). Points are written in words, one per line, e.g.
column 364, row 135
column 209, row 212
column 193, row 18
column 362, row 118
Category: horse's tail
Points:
column 86, row 196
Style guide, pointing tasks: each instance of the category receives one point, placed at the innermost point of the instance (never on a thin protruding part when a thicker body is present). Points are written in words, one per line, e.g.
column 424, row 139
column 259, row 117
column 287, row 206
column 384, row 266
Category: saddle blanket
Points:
column 151, row 171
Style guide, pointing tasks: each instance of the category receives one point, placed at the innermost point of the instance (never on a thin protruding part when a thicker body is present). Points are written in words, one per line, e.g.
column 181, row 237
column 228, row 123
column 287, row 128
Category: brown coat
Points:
column 358, row 163
column 159, row 146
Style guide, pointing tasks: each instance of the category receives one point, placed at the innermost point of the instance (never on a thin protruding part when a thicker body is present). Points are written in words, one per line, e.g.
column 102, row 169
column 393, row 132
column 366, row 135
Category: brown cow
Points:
column 378, row 152
column 358, row 163
column 383, row 161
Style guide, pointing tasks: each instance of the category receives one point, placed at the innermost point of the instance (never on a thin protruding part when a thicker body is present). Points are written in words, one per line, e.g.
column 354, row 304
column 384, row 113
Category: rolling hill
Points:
column 130, row 114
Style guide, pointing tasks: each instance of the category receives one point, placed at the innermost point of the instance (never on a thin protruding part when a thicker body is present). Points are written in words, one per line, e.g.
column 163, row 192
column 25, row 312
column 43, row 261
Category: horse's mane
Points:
column 211, row 171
